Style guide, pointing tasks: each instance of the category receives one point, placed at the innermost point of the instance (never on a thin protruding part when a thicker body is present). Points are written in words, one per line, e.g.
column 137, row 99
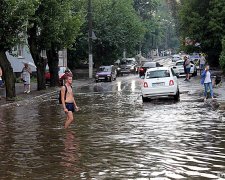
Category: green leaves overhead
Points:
column 117, row 23
column 57, row 23
column 203, row 22
column 14, row 16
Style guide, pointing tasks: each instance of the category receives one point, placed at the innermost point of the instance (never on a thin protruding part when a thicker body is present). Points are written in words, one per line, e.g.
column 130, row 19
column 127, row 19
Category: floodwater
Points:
column 114, row 136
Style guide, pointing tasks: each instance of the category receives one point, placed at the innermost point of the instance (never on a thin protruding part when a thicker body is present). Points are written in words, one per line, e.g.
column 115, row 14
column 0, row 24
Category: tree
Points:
column 117, row 27
column 14, row 15
column 202, row 21
column 147, row 10
column 53, row 27
column 222, row 56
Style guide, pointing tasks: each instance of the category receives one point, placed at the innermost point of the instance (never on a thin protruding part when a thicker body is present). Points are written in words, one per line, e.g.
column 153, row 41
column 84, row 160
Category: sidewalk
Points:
column 21, row 96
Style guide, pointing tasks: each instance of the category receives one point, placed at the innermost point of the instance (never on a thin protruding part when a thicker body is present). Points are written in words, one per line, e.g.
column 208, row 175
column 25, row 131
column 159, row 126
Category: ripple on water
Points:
column 120, row 139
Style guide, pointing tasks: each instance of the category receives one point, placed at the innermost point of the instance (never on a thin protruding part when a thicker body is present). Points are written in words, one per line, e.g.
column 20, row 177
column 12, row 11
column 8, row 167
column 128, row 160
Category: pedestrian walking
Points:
column 68, row 101
column 26, row 72
column 202, row 62
column 1, row 80
column 206, row 80
column 187, row 68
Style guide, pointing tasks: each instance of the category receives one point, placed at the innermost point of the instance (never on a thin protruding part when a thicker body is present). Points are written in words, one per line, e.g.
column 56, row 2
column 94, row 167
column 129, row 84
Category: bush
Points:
column 222, row 56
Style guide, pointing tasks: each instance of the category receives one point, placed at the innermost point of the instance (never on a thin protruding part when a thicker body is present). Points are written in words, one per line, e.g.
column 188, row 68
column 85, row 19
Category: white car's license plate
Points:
column 158, row 84
column 101, row 78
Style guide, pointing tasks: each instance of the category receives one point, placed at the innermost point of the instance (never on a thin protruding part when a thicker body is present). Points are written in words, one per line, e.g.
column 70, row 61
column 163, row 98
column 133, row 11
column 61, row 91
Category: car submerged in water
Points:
column 106, row 73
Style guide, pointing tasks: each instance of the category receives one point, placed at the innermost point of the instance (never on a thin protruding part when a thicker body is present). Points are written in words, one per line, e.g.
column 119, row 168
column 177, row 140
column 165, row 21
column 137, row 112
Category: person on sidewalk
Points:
column 68, row 101
column 207, row 81
column 26, row 72
column 187, row 68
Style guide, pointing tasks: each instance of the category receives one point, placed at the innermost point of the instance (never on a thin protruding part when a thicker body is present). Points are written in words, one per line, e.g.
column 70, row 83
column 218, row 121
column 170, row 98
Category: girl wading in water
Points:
column 206, row 80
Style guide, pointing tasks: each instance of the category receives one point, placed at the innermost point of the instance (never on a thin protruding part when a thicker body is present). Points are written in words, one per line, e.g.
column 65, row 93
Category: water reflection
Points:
column 133, row 85
column 70, row 155
column 119, row 85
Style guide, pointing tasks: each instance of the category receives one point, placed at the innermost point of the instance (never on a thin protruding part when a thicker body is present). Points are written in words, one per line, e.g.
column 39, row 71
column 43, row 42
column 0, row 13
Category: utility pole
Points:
column 90, row 57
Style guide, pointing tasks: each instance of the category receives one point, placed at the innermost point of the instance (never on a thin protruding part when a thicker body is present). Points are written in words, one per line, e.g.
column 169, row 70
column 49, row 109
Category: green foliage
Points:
column 57, row 23
column 117, row 24
column 222, row 56
column 117, row 27
column 14, row 15
column 203, row 22
column 146, row 8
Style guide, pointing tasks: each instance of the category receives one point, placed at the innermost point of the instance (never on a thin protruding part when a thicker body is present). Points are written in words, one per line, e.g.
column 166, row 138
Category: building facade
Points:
column 21, row 54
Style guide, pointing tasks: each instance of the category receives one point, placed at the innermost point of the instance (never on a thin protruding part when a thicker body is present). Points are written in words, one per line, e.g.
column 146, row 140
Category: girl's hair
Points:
column 67, row 75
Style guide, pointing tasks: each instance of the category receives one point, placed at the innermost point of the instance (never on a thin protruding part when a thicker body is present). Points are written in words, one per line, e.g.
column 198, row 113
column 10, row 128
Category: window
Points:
column 20, row 51
column 158, row 74
column 43, row 54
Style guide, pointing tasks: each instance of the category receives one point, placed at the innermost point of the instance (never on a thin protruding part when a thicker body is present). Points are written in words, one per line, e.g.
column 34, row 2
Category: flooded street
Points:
column 115, row 136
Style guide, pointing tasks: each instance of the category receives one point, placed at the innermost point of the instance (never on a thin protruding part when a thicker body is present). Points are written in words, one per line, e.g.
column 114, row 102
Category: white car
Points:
column 179, row 68
column 176, row 58
column 160, row 82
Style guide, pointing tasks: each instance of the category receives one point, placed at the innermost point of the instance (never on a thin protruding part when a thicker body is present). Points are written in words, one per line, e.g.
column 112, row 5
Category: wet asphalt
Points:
column 115, row 135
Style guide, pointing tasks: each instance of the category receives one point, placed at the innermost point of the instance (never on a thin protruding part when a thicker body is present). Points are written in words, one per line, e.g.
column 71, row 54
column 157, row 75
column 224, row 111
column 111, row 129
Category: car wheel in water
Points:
column 144, row 99
column 96, row 81
column 177, row 96
column 195, row 73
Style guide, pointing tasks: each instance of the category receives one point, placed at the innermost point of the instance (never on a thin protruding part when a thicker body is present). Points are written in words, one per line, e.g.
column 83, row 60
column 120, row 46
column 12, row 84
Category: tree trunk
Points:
column 8, row 75
column 53, row 61
column 36, row 55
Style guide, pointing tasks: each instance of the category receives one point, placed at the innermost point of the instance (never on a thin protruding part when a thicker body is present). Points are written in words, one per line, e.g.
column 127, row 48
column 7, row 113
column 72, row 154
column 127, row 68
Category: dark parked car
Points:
column 127, row 66
column 146, row 66
column 106, row 73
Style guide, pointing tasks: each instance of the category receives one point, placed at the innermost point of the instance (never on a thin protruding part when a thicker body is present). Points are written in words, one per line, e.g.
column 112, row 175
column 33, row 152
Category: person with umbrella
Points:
column 26, row 72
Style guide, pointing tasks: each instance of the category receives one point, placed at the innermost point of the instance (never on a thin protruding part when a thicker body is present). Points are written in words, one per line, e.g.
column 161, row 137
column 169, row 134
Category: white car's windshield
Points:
column 157, row 74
